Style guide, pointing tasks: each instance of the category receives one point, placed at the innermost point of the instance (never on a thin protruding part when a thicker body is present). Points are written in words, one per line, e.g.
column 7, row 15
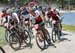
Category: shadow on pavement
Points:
column 49, row 45
column 25, row 46
column 64, row 34
column 64, row 39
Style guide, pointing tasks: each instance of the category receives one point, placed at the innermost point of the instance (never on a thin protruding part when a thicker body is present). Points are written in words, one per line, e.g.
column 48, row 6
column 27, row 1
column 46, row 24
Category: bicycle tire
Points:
column 7, row 36
column 28, row 34
column 42, row 48
column 54, row 35
column 47, row 36
column 14, row 35
column 2, row 50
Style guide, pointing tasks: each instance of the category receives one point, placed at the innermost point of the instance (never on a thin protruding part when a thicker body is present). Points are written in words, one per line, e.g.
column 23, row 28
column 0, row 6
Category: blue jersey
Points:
column 24, row 12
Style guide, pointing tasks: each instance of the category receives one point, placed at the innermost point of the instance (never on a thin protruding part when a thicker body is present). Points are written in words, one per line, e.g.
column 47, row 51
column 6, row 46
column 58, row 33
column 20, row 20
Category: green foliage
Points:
column 4, row 1
column 2, row 38
column 70, row 28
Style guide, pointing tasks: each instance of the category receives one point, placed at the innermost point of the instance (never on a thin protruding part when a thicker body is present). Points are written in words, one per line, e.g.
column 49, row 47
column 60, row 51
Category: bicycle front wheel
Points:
column 54, row 33
column 27, row 37
column 40, row 42
column 7, row 35
column 2, row 50
column 14, row 41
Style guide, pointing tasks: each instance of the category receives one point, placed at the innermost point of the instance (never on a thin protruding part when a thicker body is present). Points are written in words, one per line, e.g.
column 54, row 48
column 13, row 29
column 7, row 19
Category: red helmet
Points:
column 32, row 4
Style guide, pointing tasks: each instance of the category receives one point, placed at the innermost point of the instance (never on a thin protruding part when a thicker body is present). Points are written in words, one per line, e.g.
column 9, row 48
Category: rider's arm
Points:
column 31, row 18
column 0, row 21
column 3, row 20
column 37, row 13
column 58, row 16
column 16, row 16
column 46, row 14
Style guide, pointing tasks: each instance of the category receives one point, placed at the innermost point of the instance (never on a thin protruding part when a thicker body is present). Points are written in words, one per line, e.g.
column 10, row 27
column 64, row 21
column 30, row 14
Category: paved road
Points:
column 67, row 45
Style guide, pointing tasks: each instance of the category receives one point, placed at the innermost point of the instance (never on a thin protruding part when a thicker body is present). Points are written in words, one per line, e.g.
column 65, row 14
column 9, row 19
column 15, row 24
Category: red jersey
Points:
column 53, row 15
column 4, row 15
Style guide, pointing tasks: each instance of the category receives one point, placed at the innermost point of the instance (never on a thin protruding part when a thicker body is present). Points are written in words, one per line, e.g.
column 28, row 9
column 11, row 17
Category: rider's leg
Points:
column 46, row 33
column 60, row 28
column 6, row 25
column 40, row 36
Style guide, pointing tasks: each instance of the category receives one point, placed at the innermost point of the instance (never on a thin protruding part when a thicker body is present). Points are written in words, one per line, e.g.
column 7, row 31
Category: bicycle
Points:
column 19, row 35
column 2, row 50
column 7, row 33
column 56, row 33
column 27, row 25
column 44, row 36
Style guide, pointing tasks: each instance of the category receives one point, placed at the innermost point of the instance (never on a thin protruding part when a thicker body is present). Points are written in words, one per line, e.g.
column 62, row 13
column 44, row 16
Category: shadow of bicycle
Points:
column 64, row 39
column 65, row 34
column 25, row 46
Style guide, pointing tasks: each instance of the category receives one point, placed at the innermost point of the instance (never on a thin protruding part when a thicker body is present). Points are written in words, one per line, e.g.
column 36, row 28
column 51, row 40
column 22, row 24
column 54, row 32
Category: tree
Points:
column 3, row 1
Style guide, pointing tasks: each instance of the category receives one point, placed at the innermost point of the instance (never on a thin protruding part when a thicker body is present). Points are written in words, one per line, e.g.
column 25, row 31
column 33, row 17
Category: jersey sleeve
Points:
column 37, row 13
column 30, row 17
column 16, row 16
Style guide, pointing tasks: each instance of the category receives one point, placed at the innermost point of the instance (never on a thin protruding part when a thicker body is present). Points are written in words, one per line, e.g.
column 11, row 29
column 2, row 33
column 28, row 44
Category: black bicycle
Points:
column 26, row 24
column 56, row 33
column 19, row 35
column 2, row 50
column 7, row 33
column 14, row 41
column 45, row 37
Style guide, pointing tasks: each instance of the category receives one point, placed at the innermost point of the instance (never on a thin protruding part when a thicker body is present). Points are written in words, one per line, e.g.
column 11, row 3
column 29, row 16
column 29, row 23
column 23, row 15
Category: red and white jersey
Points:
column 37, row 17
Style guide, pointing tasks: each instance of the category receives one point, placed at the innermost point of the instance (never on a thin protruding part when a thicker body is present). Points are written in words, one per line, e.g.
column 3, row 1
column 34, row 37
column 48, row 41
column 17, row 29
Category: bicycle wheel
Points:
column 31, row 34
column 2, row 50
column 59, row 34
column 27, row 37
column 14, row 41
column 54, row 35
column 41, row 44
column 7, row 35
column 47, row 36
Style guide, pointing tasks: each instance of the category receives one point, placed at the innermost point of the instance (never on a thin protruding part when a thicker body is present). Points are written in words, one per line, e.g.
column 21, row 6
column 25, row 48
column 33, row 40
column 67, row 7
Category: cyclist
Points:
column 4, row 18
column 25, row 14
column 12, row 17
column 55, row 18
column 58, row 15
column 47, row 14
column 56, row 11
column 37, row 19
